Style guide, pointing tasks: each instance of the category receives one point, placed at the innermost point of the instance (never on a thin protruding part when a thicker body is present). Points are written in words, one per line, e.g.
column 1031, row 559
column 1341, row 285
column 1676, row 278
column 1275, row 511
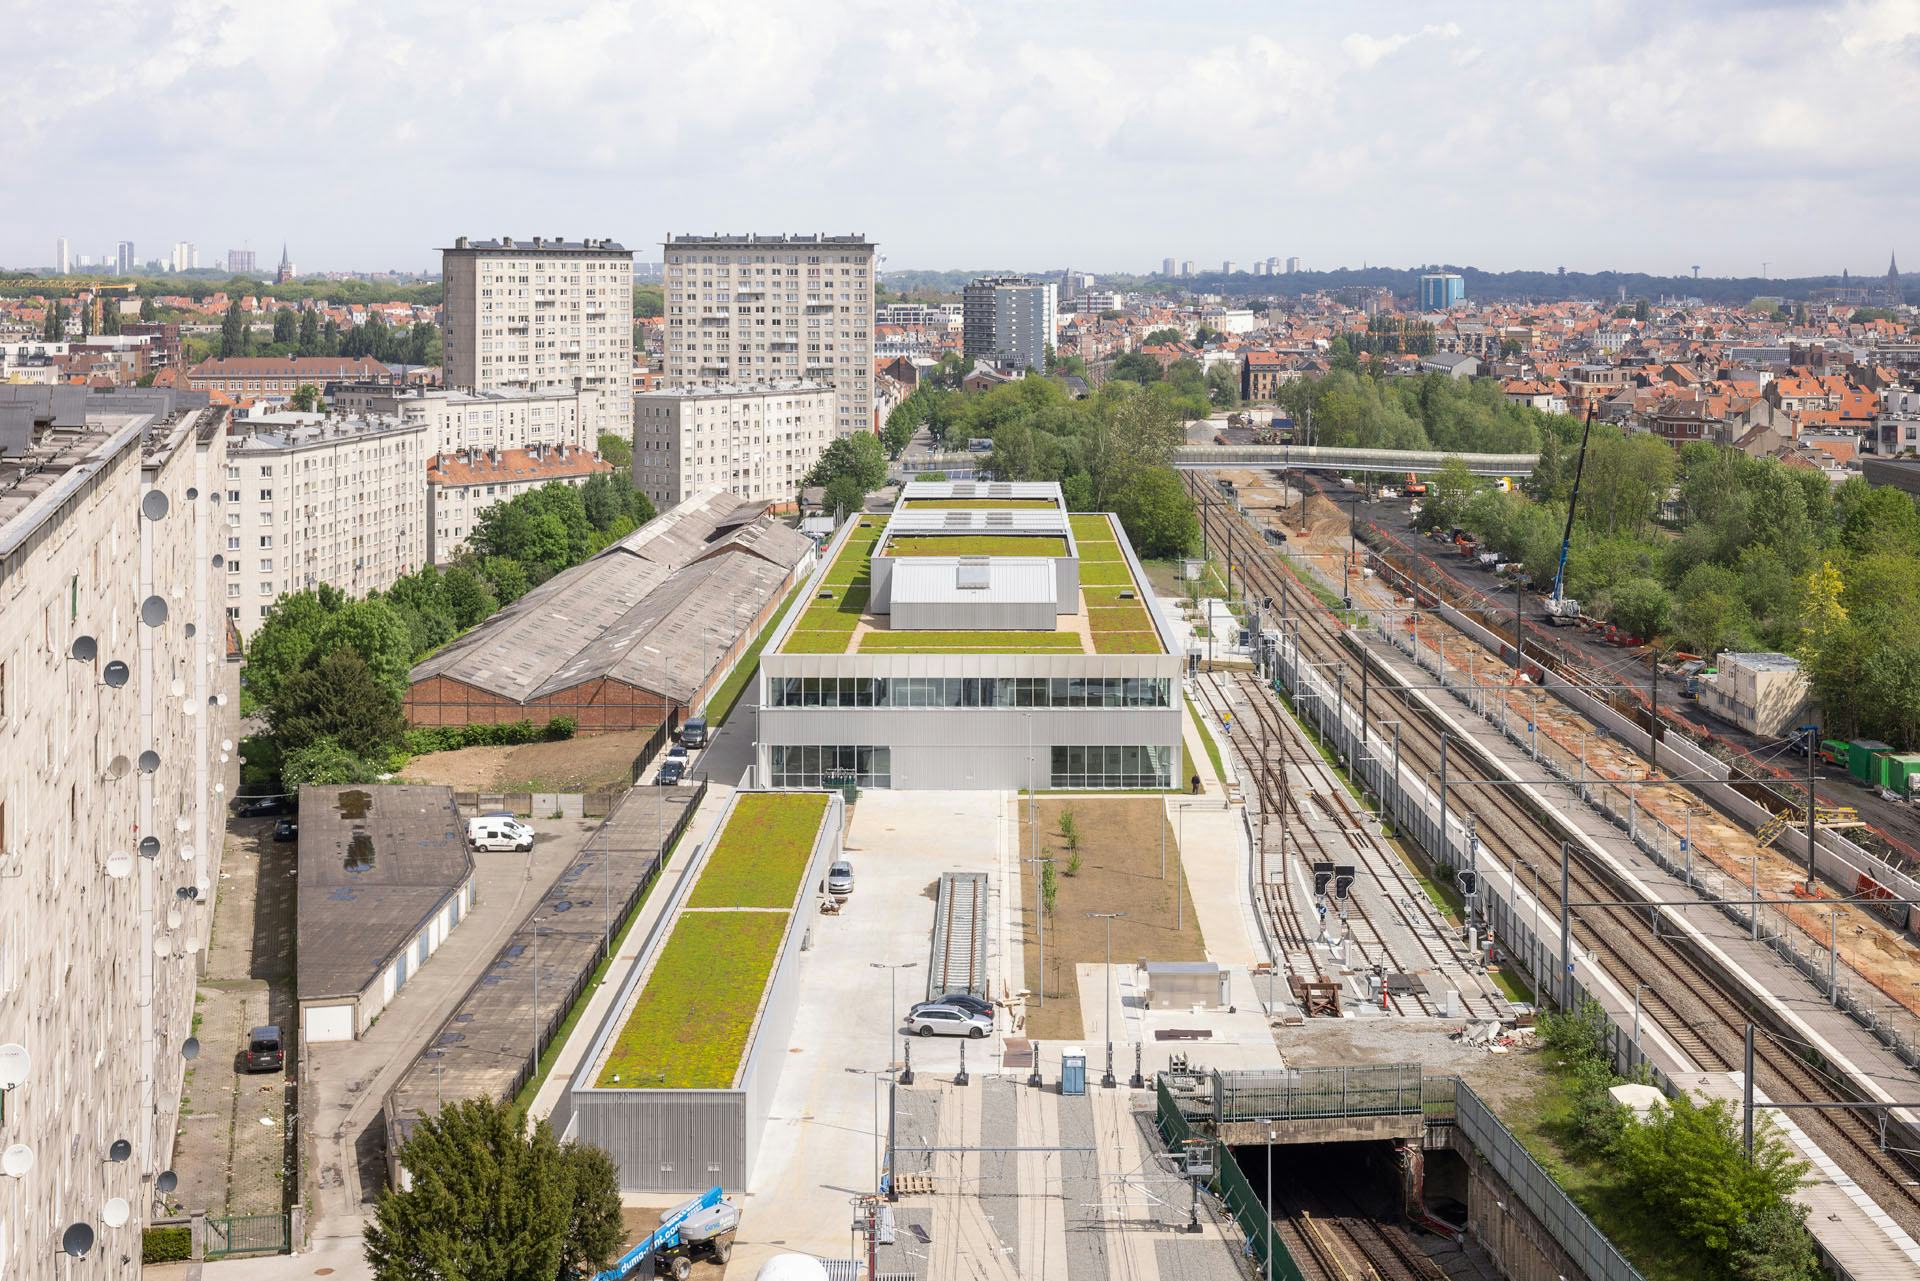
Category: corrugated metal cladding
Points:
column 996, row 594
column 910, row 521
column 689, row 1140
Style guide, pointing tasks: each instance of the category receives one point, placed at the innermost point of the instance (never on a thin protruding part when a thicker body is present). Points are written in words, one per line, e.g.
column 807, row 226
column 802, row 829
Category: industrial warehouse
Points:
column 992, row 601
column 632, row 638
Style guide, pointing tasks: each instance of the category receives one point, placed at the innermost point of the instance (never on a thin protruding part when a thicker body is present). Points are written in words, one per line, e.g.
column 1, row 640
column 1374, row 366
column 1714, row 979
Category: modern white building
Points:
column 62, row 256
column 112, row 721
column 541, row 313
column 464, row 483
column 321, row 498
column 757, row 441
column 754, row 309
column 979, row 636
column 1010, row 320
column 500, row 418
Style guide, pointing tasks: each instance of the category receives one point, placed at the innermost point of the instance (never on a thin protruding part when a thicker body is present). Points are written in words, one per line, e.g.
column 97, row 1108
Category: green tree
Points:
column 858, row 457
column 1708, row 613
column 306, row 399
column 234, row 334
column 1639, row 605
column 339, row 699
column 1158, row 514
column 1223, row 386
column 374, row 630
column 285, row 640
column 616, row 449
column 423, row 346
column 307, row 341
column 469, row 596
column 506, row 576
column 149, row 311
column 490, row 1201
column 1167, row 337
column 1448, row 494
column 845, row 494
column 286, row 326
column 1686, row 1162
column 421, row 601
column 1136, row 366
column 603, row 499
column 324, row 763
column 1882, row 520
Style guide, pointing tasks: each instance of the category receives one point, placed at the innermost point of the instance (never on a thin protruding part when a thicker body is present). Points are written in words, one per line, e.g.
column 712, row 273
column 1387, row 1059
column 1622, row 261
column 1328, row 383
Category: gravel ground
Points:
column 1497, row 1078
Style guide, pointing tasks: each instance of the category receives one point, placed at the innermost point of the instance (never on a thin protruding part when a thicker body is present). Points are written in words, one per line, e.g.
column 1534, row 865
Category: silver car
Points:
column 840, row 879
column 948, row 1020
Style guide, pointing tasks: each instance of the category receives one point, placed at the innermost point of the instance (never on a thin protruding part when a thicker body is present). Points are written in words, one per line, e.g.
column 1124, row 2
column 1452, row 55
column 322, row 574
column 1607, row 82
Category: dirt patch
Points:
column 1119, row 872
column 1497, row 1078
column 585, row 764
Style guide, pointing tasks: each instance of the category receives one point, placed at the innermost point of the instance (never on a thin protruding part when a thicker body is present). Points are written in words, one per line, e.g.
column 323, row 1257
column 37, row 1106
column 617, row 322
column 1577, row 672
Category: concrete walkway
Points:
column 567, row 1063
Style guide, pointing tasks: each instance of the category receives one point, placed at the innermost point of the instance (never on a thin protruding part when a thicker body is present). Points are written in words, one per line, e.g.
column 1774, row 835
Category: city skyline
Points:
column 1390, row 139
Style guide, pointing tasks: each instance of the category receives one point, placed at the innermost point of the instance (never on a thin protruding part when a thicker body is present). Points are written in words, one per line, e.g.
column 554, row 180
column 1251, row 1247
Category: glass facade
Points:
column 811, row 766
column 986, row 691
column 1110, row 767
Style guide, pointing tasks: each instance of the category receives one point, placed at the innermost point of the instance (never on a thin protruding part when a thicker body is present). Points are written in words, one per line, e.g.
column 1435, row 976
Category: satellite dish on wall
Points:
column 190, row 1048
column 153, row 611
column 174, row 918
column 85, row 647
column 193, row 492
column 77, row 1239
column 226, row 745
column 116, row 674
column 190, row 707
column 119, row 865
column 117, row 767
column 154, row 505
column 187, row 892
column 177, row 688
column 15, row 1064
column 183, row 824
column 115, row 1212
column 165, row 1181
column 120, row 1150
column 149, row 761
column 16, row 1161
column 186, row 853
column 160, row 946
column 149, row 846
column 191, row 629
column 219, row 561
column 192, row 944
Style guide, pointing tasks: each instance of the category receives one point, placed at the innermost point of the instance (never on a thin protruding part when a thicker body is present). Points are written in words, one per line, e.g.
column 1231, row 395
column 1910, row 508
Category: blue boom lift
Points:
column 700, row 1228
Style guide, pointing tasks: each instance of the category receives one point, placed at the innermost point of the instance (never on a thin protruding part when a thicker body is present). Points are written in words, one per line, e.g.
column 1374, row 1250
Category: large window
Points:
column 1111, row 767
column 952, row 691
column 810, row 766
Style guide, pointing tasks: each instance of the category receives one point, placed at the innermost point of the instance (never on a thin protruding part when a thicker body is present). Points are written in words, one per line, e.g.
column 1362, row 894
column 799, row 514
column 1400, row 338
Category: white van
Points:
column 497, row 832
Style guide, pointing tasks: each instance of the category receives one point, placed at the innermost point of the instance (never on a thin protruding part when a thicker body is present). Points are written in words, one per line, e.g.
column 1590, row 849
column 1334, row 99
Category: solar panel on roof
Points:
column 1000, row 519
column 958, row 520
column 971, row 574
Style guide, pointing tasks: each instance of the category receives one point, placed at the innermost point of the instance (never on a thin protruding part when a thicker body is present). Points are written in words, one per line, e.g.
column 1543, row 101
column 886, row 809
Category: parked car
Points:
column 262, row 806
column 494, row 832
column 694, row 732
column 265, row 1052
column 948, row 1020
column 678, row 752
column 960, row 1001
column 287, row 829
column 840, row 879
column 671, row 772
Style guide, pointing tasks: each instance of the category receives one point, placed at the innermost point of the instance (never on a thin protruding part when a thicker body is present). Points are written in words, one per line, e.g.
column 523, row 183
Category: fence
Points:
column 655, row 744
column 1594, row 1255
column 1292, row 1093
column 246, row 1234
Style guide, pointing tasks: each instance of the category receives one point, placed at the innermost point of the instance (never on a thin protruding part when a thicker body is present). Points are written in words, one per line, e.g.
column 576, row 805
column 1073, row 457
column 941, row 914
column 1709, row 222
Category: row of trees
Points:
column 329, row 673
column 306, row 334
column 1432, row 411
column 1764, row 557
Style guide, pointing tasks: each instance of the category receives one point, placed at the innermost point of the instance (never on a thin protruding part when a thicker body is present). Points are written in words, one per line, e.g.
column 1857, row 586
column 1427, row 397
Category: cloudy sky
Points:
column 1102, row 134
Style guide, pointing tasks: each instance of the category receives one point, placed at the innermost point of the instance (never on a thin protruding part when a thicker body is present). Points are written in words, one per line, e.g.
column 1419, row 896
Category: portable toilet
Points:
column 1073, row 1070
column 1860, row 757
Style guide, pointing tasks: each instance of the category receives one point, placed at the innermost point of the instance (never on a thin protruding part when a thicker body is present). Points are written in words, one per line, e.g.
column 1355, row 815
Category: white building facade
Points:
column 540, row 314
column 1010, row 320
column 501, row 418
column 112, row 716
column 750, row 309
column 757, row 441
column 313, row 498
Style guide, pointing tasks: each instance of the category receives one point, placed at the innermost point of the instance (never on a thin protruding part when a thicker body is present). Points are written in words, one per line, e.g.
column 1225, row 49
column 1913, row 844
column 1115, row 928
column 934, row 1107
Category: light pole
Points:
column 536, row 1000
column 1040, row 913
column 1273, row 1136
column 1107, row 1081
column 893, row 968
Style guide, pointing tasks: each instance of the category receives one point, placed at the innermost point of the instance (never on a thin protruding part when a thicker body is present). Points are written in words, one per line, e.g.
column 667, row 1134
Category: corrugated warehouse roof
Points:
column 644, row 611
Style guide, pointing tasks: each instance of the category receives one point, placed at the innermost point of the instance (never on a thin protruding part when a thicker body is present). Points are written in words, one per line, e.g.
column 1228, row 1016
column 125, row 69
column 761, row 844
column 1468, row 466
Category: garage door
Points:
column 329, row 1022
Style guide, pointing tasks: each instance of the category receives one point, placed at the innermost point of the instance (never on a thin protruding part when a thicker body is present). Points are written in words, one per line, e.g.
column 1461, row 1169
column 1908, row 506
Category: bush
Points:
column 165, row 1245
column 448, row 738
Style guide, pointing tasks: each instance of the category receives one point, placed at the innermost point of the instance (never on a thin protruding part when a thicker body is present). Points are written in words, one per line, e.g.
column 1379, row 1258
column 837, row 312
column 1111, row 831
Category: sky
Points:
column 1098, row 134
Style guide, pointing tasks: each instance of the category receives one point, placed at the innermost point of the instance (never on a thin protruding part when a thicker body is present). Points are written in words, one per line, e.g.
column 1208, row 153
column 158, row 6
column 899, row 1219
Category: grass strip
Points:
column 1206, row 740
column 763, row 852
column 689, row 1025
column 1104, row 573
column 1126, row 643
column 816, row 643
column 977, row 545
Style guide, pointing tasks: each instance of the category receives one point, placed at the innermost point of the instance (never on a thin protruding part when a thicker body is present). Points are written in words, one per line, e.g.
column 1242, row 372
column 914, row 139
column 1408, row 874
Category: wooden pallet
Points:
column 913, row 1184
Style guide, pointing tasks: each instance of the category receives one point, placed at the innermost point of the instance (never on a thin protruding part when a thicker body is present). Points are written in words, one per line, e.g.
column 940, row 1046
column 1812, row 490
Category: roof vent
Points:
column 971, row 574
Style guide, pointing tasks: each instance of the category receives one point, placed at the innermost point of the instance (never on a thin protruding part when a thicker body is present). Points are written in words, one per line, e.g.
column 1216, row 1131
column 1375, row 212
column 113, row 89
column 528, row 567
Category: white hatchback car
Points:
column 948, row 1020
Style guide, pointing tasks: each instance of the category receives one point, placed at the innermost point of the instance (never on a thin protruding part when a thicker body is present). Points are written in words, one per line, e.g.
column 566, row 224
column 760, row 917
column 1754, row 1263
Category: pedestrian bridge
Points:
column 1258, row 457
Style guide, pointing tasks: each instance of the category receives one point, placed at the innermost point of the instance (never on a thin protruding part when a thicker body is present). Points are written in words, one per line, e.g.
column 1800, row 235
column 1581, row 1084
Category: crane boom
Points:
column 1559, row 609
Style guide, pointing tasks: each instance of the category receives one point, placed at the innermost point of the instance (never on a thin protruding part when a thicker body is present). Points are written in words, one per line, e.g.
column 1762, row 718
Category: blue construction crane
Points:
column 1562, row 612
column 703, row 1226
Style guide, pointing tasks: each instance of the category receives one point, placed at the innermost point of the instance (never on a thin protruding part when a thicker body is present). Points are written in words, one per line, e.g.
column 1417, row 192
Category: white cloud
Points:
column 970, row 132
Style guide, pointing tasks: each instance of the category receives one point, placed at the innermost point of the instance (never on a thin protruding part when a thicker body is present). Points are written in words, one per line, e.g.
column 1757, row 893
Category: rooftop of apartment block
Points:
column 703, row 391
column 531, row 244
column 755, row 238
column 294, row 430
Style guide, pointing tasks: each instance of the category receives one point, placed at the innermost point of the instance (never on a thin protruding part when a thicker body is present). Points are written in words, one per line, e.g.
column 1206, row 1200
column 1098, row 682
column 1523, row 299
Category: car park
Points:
column 948, row 1020
column 265, row 1051
column 287, row 829
column 960, row 1001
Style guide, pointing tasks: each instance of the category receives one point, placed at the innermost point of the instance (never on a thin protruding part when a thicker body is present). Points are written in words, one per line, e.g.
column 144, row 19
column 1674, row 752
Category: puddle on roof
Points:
column 359, row 852
column 354, row 804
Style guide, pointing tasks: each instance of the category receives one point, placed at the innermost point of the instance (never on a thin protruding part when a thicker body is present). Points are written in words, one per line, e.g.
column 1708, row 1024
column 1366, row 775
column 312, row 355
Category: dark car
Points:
column 287, row 829
column 960, row 1001
column 694, row 732
column 262, row 806
column 265, row 1053
column 671, row 772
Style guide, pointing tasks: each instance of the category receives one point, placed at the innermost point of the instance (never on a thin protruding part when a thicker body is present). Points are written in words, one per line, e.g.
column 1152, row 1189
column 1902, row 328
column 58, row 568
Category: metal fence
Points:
column 246, row 1234
column 1594, row 1255
column 1292, row 1093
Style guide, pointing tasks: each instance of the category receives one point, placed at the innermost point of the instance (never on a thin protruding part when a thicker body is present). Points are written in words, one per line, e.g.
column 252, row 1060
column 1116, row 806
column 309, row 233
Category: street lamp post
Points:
column 1040, row 915
column 1273, row 1136
column 1107, row 1081
column 893, row 969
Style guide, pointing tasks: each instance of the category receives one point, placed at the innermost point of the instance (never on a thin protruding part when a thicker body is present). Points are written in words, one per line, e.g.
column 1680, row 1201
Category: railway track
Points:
column 1332, row 1236
column 1700, row 1010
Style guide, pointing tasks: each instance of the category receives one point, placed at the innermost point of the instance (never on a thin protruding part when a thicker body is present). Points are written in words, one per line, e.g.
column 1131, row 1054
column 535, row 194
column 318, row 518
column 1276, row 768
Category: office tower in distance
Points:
column 1440, row 290
column 1166, row 266
column 1293, row 265
column 542, row 312
column 62, row 256
column 240, row 262
column 1009, row 320
column 751, row 309
column 123, row 258
column 1186, row 266
column 1228, row 267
